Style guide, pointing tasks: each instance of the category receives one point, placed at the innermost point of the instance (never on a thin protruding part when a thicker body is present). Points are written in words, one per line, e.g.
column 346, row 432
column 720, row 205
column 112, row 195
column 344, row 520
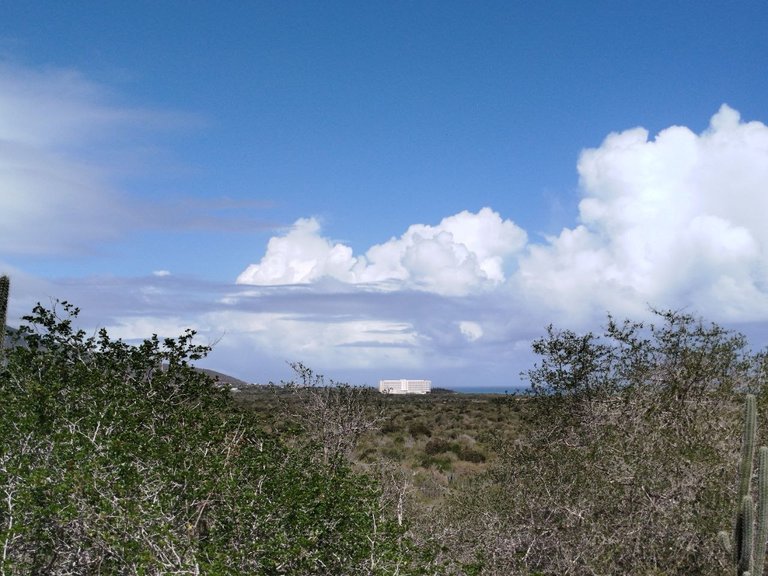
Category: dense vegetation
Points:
column 623, row 459
column 124, row 460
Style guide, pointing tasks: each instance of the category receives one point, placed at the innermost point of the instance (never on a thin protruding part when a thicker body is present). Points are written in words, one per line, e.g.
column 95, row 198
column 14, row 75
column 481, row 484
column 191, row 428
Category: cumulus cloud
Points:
column 299, row 257
column 677, row 220
column 462, row 253
column 671, row 221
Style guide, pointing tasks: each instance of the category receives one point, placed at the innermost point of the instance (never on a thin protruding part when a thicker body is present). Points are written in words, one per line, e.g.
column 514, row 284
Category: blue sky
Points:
column 384, row 189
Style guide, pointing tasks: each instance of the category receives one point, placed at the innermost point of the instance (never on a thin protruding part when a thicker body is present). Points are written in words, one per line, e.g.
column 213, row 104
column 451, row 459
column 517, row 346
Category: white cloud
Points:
column 322, row 340
column 141, row 327
column 43, row 109
column 674, row 221
column 64, row 143
column 471, row 330
column 52, row 201
column 463, row 253
column 300, row 257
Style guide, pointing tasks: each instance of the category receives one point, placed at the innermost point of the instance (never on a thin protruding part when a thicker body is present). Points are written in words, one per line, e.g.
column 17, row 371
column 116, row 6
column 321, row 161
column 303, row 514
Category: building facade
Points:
column 405, row 386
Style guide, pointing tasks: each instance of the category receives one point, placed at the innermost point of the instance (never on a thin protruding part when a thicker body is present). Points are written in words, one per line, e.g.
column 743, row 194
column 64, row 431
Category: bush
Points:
column 390, row 427
column 336, row 415
column 471, row 455
column 440, row 462
column 121, row 459
column 393, row 453
column 627, row 457
column 436, row 446
column 419, row 428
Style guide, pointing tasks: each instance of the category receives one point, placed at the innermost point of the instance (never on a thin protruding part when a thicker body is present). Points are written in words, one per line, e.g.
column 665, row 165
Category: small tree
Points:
column 336, row 415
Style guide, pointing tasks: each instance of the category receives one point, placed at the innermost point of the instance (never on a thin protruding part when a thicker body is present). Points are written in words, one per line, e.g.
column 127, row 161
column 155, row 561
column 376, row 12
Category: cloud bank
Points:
column 674, row 221
column 677, row 220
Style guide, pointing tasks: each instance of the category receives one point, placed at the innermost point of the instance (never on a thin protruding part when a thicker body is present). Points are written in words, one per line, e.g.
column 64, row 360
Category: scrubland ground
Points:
column 438, row 441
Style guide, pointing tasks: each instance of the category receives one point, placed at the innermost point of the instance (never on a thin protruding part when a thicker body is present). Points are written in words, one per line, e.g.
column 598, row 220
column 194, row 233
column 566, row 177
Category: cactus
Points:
column 747, row 446
column 762, row 510
column 749, row 533
column 744, row 536
column 5, row 284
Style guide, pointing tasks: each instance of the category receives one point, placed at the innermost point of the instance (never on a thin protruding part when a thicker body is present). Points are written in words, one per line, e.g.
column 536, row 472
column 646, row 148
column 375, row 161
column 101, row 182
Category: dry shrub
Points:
column 628, row 462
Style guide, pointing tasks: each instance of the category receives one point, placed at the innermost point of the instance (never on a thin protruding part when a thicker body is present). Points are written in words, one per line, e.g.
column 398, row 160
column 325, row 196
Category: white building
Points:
column 405, row 386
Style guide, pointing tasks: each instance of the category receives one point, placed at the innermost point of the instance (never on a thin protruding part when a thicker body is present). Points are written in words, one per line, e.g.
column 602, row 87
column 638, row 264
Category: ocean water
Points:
column 488, row 389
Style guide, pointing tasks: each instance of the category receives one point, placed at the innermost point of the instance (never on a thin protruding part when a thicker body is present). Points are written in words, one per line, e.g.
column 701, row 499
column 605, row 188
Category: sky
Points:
column 384, row 189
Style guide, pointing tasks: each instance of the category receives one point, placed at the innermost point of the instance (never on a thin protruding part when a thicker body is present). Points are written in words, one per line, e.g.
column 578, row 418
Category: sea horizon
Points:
column 486, row 389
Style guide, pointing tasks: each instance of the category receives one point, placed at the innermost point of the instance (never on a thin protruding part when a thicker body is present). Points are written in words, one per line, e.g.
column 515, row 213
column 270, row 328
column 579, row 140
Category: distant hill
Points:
column 222, row 378
column 9, row 336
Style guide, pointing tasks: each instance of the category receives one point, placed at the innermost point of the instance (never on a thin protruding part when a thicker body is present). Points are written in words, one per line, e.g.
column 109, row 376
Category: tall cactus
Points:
column 5, row 285
column 750, row 533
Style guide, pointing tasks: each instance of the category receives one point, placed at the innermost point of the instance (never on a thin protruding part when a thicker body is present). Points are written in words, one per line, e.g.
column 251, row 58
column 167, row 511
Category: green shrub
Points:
column 419, row 428
column 436, row 446
column 441, row 462
column 394, row 453
column 119, row 459
column 390, row 427
column 470, row 455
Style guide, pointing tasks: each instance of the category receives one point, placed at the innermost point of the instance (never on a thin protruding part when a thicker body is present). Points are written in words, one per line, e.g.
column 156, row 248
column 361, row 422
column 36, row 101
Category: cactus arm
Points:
column 725, row 541
column 745, row 469
column 5, row 284
column 745, row 534
column 762, row 511
column 747, row 446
